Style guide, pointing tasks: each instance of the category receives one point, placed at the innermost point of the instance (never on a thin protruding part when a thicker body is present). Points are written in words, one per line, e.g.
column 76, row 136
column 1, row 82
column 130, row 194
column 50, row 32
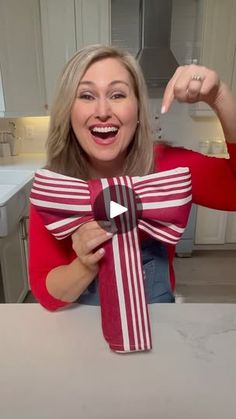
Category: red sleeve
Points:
column 45, row 253
column 213, row 178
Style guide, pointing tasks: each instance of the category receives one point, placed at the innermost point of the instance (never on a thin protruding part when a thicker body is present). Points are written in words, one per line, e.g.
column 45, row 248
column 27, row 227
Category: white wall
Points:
column 179, row 128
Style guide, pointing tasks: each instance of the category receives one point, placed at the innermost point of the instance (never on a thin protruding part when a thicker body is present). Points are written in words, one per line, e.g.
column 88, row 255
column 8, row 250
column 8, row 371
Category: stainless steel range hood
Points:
column 155, row 57
column 143, row 27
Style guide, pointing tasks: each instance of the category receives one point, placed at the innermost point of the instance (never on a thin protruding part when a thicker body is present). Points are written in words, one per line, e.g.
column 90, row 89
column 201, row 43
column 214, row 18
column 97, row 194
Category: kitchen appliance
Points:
column 143, row 27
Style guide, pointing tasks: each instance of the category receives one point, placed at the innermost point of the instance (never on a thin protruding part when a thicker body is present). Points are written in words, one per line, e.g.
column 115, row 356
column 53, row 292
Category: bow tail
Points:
column 124, row 311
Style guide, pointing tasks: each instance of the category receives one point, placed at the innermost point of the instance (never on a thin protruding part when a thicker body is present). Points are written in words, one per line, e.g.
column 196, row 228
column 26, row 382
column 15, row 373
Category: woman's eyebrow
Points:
column 91, row 83
column 120, row 81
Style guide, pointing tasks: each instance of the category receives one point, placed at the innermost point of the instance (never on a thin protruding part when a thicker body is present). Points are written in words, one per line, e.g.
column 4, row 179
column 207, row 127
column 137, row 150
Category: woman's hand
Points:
column 87, row 241
column 193, row 83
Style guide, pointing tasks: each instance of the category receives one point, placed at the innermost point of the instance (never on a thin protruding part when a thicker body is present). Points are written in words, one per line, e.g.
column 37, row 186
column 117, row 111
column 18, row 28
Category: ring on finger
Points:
column 196, row 77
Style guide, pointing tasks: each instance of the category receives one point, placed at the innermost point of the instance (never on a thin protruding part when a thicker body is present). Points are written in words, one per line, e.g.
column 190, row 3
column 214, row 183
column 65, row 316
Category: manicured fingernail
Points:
column 109, row 233
column 163, row 109
column 102, row 251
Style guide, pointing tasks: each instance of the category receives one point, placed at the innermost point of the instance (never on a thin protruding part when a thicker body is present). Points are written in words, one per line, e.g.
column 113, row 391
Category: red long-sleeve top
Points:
column 213, row 186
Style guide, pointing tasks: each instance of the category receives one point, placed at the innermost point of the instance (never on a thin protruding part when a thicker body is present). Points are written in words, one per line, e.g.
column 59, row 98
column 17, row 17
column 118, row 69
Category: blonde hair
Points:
column 64, row 153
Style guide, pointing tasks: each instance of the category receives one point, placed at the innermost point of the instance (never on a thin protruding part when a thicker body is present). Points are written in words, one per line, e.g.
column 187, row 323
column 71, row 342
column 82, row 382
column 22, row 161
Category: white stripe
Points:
column 65, row 233
column 45, row 193
column 170, row 225
column 171, row 182
column 49, row 173
column 59, row 182
column 54, row 188
column 166, row 193
column 162, row 177
column 185, row 180
column 164, row 204
column 157, row 236
column 46, row 204
column 62, row 223
column 178, row 170
column 141, row 279
column 156, row 229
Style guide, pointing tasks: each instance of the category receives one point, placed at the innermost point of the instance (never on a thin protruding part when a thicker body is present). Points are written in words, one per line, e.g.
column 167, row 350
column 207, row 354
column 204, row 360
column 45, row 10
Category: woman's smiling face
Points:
column 104, row 115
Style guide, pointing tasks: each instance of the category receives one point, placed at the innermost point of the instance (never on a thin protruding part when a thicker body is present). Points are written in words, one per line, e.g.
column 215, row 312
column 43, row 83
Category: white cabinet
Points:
column 215, row 227
column 185, row 246
column 92, row 22
column 68, row 25
column 59, row 39
column 231, row 228
column 22, row 87
column 13, row 267
column 215, row 42
column 13, row 254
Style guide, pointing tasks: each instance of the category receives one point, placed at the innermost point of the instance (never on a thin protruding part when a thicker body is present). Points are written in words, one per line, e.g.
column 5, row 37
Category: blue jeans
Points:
column 157, row 281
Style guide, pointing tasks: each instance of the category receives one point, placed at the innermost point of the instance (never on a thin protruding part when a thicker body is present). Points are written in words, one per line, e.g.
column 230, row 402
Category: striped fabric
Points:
column 158, row 204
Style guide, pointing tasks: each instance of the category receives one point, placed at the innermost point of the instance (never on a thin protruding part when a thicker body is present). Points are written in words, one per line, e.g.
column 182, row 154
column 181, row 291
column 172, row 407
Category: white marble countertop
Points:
column 57, row 365
column 16, row 172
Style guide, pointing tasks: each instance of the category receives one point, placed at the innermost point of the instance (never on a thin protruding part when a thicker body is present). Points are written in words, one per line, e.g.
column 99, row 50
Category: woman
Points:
column 99, row 128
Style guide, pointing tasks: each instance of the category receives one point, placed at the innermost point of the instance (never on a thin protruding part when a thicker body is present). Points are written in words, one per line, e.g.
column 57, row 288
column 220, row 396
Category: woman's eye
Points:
column 118, row 95
column 85, row 96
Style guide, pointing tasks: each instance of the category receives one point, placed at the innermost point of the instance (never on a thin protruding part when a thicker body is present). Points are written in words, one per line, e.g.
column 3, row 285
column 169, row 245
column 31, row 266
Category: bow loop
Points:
column 62, row 202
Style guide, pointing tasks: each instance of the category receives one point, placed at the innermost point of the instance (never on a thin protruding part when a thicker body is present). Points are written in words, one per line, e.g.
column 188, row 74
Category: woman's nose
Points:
column 103, row 108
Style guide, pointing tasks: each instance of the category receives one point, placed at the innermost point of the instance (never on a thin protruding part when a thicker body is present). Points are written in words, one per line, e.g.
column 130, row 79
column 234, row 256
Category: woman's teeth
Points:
column 104, row 132
column 104, row 129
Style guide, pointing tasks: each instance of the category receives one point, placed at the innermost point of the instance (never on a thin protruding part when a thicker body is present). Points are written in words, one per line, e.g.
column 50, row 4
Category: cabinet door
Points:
column 216, row 37
column 68, row 25
column 92, row 22
column 230, row 236
column 185, row 245
column 233, row 83
column 210, row 226
column 58, row 35
column 22, row 88
column 14, row 270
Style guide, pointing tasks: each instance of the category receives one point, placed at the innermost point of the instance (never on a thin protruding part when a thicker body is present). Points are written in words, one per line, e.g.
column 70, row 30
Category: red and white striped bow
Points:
column 160, row 206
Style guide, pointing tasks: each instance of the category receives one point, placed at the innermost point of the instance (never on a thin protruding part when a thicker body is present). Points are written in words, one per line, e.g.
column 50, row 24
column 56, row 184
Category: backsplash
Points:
column 176, row 127
column 32, row 131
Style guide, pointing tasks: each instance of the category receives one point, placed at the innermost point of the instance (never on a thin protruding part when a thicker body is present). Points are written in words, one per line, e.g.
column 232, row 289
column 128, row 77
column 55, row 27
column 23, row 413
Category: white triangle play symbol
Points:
column 116, row 209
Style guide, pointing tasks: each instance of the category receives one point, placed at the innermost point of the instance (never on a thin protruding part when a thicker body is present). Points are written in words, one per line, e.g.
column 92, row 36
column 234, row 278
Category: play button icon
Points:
column 118, row 204
column 116, row 209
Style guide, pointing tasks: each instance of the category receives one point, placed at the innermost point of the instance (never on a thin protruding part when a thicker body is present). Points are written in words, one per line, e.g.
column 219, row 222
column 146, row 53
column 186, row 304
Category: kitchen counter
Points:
column 25, row 161
column 57, row 365
column 16, row 172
